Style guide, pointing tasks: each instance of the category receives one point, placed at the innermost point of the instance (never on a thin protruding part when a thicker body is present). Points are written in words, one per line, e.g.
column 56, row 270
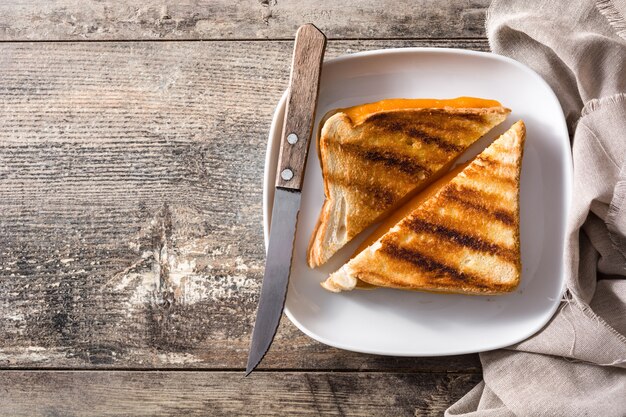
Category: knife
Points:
column 306, row 67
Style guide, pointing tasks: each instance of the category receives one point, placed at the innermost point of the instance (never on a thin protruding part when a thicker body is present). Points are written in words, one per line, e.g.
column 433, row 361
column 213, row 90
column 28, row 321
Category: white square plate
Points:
column 404, row 323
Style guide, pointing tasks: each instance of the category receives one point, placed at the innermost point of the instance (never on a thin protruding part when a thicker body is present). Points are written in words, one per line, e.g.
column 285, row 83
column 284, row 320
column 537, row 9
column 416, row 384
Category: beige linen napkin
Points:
column 576, row 365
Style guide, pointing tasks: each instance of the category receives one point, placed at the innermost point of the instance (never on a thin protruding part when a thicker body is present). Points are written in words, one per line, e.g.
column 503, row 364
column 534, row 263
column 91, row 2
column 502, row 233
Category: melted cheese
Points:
column 360, row 112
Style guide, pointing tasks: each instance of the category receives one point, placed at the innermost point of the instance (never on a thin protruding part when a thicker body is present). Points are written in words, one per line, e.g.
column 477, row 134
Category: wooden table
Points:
column 132, row 141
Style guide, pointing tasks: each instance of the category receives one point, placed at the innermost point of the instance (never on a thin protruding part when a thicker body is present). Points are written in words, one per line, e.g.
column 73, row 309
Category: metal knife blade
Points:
column 277, row 268
column 306, row 67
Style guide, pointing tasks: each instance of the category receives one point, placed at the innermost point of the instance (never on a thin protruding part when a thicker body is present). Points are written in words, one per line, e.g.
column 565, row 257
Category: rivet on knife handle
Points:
column 300, row 112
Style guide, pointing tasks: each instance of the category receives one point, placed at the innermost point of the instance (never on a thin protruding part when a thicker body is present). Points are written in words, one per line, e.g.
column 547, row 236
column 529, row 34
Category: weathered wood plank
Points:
column 122, row 240
column 29, row 393
column 223, row 19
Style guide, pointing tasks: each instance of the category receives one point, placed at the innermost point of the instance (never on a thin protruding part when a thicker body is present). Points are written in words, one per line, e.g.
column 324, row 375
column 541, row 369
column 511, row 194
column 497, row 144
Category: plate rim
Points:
column 269, row 178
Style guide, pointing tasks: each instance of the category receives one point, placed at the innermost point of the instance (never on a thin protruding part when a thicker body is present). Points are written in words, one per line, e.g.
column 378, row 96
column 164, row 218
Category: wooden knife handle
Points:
column 308, row 55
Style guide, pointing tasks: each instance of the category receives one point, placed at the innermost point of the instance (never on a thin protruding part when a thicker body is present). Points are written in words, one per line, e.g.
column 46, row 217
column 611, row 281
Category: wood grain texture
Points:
column 229, row 394
column 252, row 19
column 124, row 243
column 304, row 81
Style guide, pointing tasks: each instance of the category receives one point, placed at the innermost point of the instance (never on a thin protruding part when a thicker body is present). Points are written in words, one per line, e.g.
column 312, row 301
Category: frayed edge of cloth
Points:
column 615, row 18
column 616, row 206
column 598, row 103
column 570, row 300
column 588, row 311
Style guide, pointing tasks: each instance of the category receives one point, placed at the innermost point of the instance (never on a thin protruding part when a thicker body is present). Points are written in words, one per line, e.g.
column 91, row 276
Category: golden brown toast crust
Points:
column 371, row 167
column 464, row 239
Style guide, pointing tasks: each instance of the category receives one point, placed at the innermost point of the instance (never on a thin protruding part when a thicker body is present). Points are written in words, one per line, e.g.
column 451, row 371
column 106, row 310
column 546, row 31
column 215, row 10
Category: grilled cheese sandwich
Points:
column 376, row 156
column 463, row 239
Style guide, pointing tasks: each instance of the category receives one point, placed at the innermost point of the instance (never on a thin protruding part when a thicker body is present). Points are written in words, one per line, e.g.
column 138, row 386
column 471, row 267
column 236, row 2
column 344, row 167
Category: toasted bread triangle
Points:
column 464, row 239
column 371, row 167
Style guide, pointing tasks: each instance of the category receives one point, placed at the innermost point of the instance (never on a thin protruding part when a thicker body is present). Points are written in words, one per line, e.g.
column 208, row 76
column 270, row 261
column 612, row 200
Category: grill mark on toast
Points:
column 424, row 262
column 438, row 286
column 392, row 122
column 428, row 113
column 380, row 197
column 492, row 163
column 494, row 176
column 421, row 135
column 434, row 266
column 457, row 195
column 472, row 242
column 388, row 158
